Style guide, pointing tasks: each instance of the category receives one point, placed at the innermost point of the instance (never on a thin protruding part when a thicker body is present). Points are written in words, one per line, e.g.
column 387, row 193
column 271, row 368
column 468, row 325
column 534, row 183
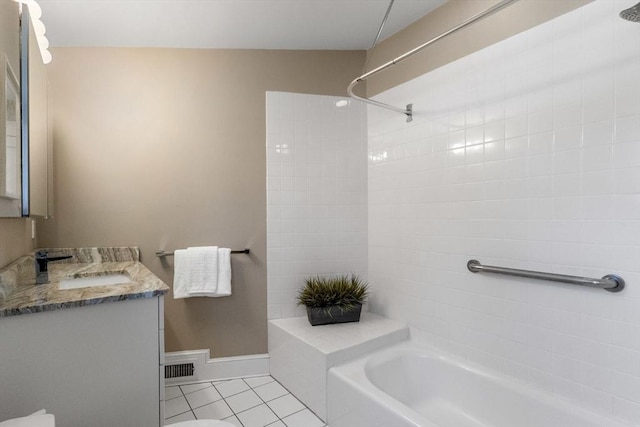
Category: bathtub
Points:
column 410, row 386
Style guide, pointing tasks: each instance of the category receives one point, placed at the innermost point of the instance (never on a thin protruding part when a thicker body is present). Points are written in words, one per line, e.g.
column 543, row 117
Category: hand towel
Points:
column 204, row 270
column 195, row 272
column 181, row 275
column 224, row 273
column 223, row 279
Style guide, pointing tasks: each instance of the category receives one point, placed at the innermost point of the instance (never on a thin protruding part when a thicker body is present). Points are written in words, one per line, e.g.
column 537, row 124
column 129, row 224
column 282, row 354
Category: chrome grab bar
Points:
column 610, row 282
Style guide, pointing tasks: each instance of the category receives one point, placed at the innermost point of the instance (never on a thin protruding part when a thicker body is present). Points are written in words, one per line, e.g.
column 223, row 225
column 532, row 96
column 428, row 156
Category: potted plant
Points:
column 333, row 299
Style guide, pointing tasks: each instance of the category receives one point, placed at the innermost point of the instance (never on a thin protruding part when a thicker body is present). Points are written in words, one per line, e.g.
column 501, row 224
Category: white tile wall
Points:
column 316, row 193
column 525, row 154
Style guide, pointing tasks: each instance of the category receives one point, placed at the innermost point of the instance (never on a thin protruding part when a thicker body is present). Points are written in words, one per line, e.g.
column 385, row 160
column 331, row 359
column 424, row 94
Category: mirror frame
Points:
column 25, row 24
column 11, row 204
column 12, row 92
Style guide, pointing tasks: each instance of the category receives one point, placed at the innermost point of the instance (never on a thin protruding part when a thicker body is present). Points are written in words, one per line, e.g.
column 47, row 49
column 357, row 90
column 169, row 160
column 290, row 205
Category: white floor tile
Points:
column 190, row 388
column 203, row 397
column 187, row 416
column 213, row 411
column 229, row 388
column 285, row 405
column 260, row 416
column 258, row 381
column 219, row 400
column 304, row 418
column 243, row 401
column 175, row 407
column 270, row 391
column 234, row 420
column 172, row 392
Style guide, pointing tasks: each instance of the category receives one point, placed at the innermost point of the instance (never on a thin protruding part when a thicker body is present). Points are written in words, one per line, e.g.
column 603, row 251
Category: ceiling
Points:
column 227, row 24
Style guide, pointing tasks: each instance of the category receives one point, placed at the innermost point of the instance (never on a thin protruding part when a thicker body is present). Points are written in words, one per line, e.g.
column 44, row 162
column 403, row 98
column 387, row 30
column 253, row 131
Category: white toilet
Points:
column 37, row 419
column 202, row 423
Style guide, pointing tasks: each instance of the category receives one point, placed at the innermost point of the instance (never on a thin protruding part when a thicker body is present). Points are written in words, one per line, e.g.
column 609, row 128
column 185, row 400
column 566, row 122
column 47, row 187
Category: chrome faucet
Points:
column 42, row 265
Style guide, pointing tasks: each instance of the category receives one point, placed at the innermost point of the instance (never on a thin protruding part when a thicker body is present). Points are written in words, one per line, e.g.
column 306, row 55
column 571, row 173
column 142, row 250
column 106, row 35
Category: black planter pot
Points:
column 334, row 314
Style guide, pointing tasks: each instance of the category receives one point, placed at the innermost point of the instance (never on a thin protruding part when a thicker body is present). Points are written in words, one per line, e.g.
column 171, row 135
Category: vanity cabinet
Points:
column 91, row 366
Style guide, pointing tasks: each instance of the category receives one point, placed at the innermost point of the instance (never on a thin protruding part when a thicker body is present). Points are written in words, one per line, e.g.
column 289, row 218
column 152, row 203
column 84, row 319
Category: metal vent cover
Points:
column 180, row 370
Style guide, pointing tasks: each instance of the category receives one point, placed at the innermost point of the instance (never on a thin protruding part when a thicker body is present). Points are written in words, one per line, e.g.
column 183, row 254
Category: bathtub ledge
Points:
column 301, row 354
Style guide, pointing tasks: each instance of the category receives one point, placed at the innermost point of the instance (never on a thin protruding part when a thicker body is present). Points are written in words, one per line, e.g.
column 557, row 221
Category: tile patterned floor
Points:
column 245, row 402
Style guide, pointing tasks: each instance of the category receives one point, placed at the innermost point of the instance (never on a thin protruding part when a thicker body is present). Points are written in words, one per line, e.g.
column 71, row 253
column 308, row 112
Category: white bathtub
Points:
column 410, row 386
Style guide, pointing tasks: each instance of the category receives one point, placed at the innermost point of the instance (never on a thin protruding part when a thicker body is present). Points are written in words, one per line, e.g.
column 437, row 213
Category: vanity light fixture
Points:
column 35, row 12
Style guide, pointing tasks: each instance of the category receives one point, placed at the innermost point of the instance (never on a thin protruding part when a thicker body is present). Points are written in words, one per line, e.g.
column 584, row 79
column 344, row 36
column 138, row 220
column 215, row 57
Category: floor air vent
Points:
column 180, row 370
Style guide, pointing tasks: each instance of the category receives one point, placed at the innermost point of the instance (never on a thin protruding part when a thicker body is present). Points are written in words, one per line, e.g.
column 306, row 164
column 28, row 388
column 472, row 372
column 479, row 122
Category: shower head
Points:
column 632, row 14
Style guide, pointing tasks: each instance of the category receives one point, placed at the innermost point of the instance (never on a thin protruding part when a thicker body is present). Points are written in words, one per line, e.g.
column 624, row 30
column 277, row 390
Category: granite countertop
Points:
column 20, row 295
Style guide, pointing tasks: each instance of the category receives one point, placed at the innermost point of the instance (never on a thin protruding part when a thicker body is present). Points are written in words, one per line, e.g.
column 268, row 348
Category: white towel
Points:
column 224, row 273
column 202, row 272
column 195, row 272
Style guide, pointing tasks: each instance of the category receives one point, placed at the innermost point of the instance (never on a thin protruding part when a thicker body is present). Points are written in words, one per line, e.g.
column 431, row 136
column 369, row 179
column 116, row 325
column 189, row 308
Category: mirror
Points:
column 35, row 124
column 11, row 148
column 25, row 151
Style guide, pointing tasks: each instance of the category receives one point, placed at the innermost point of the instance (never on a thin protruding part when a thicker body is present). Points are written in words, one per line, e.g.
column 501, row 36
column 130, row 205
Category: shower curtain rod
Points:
column 408, row 111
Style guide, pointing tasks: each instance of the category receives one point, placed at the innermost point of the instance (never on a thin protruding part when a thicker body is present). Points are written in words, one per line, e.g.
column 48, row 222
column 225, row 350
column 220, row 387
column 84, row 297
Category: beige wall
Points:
column 15, row 239
column 511, row 20
column 165, row 148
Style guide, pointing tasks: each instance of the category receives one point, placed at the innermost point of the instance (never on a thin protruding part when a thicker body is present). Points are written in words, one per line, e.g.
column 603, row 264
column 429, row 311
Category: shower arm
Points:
column 408, row 111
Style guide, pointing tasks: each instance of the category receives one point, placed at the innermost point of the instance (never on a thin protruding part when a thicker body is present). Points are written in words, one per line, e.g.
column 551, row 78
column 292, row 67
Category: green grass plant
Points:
column 342, row 291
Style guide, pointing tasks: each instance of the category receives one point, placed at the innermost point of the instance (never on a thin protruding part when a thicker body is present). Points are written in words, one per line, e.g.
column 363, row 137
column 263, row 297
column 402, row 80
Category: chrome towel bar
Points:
column 163, row 253
column 610, row 282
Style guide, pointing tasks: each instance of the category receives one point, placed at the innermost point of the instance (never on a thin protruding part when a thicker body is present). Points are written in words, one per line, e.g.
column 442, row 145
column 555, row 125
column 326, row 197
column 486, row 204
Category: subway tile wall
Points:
column 316, row 193
column 527, row 155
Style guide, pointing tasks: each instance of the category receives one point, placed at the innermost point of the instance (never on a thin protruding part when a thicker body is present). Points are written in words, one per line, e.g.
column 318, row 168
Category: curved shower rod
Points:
column 408, row 111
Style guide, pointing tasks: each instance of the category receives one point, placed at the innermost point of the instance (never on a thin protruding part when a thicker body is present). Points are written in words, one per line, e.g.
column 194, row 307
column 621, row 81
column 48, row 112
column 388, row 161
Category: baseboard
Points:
column 219, row 368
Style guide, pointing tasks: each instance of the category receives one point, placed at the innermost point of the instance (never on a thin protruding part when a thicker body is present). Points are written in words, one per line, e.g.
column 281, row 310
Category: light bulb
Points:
column 38, row 27
column 43, row 42
column 46, row 56
column 35, row 11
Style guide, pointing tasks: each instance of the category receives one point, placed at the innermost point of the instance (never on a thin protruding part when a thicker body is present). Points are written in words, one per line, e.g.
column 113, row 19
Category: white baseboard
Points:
column 219, row 368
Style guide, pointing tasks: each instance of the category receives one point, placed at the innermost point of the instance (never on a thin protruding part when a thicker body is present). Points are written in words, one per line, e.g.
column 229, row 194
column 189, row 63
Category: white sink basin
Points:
column 98, row 280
